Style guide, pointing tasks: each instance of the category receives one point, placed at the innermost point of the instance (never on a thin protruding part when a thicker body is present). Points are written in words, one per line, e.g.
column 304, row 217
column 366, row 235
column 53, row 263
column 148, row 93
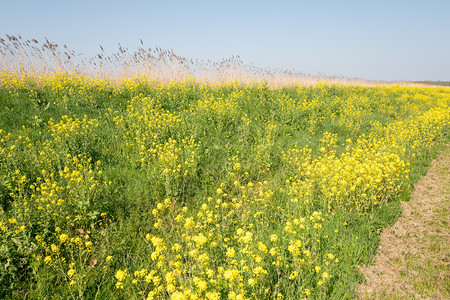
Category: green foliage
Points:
column 443, row 83
column 104, row 189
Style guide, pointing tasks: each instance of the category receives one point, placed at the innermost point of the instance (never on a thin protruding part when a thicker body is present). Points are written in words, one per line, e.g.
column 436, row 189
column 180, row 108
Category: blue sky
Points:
column 374, row 40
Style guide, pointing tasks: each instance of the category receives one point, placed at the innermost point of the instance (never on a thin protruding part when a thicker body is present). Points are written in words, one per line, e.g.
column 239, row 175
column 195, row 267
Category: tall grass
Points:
column 18, row 55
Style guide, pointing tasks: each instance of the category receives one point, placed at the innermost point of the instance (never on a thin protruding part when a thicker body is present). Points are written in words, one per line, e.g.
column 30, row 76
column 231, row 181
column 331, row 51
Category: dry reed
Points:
column 21, row 56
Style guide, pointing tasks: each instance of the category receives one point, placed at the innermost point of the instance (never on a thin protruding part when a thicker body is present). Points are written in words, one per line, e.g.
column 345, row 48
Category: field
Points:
column 440, row 83
column 139, row 188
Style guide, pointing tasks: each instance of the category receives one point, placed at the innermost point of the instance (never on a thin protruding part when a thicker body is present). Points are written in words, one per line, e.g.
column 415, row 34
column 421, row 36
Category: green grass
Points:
column 236, row 123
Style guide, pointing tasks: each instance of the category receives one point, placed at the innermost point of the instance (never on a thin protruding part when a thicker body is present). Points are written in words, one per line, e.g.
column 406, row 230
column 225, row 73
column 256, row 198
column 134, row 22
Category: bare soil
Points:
column 412, row 260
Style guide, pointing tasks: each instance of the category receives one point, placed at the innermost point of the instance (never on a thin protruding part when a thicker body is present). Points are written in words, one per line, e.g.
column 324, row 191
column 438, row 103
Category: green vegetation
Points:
column 193, row 191
column 442, row 83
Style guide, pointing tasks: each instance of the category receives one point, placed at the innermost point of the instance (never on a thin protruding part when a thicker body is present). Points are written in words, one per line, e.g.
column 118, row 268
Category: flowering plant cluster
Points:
column 143, row 190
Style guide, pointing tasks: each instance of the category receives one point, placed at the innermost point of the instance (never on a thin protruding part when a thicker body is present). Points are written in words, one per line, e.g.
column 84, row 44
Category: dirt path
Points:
column 413, row 257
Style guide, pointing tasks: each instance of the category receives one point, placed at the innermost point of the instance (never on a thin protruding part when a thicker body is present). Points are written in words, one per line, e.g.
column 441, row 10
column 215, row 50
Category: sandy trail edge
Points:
column 412, row 261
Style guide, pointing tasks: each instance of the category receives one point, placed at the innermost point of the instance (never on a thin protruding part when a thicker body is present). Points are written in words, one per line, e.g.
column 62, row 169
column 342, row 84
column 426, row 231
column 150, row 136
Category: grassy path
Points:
column 413, row 256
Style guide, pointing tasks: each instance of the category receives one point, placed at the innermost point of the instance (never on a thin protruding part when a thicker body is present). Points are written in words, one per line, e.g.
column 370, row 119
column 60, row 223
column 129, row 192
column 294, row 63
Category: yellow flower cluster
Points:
column 236, row 186
column 71, row 127
column 196, row 255
column 52, row 194
column 368, row 171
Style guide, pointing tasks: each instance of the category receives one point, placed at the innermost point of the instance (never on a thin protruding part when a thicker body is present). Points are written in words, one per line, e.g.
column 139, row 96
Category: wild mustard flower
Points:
column 243, row 231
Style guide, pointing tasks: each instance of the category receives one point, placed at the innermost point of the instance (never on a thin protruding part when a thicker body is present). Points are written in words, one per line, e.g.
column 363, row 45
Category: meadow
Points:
column 140, row 188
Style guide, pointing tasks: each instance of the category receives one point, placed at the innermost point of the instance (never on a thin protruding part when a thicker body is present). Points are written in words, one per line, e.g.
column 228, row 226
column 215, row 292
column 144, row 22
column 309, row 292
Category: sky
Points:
column 374, row 40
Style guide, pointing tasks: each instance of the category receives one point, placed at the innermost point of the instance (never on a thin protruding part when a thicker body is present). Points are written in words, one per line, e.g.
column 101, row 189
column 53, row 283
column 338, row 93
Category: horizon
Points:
column 383, row 41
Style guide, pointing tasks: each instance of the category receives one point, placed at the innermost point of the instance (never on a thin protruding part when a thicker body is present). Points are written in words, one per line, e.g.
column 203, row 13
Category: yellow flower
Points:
column 259, row 271
column 200, row 239
column 203, row 258
column 177, row 296
column 293, row 275
column 176, row 247
column 169, row 277
column 121, row 275
column 200, row 283
column 119, row 285
column 251, row 282
column 213, row 295
column 48, row 259
column 54, row 248
column 273, row 251
column 71, row 272
column 262, row 247
column 232, row 295
column 231, row 274
column 247, row 238
column 189, row 223
column 230, row 252
column 63, row 237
